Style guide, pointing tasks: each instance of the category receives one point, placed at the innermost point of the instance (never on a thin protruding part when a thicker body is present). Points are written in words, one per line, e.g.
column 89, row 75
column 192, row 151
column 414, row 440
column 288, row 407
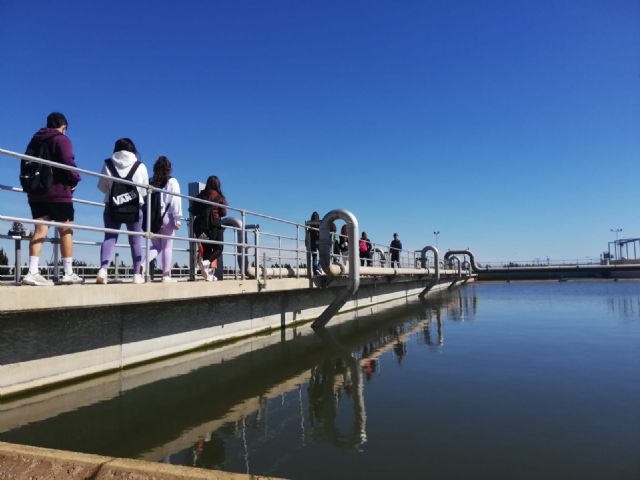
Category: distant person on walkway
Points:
column 364, row 246
column 207, row 226
column 170, row 211
column 52, row 202
column 343, row 244
column 123, row 204
column 313, row 241
column 335, row 243
column 395, row 248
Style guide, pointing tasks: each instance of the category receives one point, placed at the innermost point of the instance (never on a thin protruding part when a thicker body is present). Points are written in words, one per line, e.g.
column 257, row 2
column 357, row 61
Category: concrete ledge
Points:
column 26, row 462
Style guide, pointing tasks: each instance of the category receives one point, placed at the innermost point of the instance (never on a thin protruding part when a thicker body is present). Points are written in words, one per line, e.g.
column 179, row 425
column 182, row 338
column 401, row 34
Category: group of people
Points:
column 340, row 246
column 50, row 194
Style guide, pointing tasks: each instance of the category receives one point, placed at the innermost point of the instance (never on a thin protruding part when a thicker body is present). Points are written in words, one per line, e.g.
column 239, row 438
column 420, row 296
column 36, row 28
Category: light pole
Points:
column 436, row 233
column 617, row 232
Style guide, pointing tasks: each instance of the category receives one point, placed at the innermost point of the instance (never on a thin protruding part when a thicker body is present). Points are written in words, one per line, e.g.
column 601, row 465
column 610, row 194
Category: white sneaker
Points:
column 138, row 278
column 203, row 265
column 168, row 280
column 36, row 280
column 72, row 279
column 212, row 278
column 102, row 277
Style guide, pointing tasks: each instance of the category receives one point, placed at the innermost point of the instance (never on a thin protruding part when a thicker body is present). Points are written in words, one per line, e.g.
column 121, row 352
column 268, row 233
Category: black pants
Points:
column 212, row 251
column 395, row 259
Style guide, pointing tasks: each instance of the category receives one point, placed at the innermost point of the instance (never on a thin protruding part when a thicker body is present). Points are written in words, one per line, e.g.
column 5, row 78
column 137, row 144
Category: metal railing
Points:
column 273, row 253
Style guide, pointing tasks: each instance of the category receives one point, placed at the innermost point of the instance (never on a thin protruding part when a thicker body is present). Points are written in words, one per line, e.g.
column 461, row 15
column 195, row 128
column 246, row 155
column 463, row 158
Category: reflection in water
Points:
column 521, row 394
column 627, row 307
column 217, row 416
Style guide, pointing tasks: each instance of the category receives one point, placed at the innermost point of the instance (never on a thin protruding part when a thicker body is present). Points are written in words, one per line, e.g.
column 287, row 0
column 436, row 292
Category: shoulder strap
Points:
column 112, row 168
column 132, row 171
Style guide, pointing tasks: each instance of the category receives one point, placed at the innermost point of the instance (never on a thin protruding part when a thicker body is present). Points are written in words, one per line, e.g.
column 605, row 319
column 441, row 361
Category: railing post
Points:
column 147, row 205
column 18, row 272
column 279, row 256
column 243, row 267
column 56, row 254
column 297, row 251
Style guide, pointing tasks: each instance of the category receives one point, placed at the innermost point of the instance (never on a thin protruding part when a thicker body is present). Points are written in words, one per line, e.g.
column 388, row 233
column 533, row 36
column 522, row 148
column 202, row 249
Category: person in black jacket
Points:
column 395, row 248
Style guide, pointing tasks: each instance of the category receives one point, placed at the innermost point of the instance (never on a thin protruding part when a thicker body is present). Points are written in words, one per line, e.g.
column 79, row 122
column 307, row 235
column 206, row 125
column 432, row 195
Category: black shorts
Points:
column 57, row 212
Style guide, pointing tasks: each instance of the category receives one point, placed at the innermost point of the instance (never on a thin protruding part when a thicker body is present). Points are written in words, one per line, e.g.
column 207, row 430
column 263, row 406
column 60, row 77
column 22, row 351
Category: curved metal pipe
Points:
column 325, row 247
column 436, row 262
column 472, row 259
column 383, row 257
column 456, row 259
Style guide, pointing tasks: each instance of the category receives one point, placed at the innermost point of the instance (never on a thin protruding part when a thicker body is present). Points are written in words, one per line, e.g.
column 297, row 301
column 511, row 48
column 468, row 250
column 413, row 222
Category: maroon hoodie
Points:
column 63, row 180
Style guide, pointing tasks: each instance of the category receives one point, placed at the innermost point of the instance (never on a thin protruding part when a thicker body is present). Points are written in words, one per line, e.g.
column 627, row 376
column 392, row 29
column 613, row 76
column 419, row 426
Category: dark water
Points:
column 538, row 380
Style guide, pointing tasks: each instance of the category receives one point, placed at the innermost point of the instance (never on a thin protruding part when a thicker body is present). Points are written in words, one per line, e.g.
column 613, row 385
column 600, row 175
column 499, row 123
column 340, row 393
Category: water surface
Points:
column 519, row 380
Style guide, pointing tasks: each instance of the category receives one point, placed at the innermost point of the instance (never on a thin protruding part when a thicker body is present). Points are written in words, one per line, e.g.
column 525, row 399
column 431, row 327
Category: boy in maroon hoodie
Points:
column 55, row 203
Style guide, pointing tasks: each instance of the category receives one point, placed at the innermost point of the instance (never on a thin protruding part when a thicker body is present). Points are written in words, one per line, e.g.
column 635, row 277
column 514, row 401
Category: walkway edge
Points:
column 22, row 461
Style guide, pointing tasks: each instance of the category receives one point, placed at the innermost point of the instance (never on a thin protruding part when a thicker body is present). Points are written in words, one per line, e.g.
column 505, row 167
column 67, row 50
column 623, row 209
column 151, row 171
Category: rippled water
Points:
column 520, row 380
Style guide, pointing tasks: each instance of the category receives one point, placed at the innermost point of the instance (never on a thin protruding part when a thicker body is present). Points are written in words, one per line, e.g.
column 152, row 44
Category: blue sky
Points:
column 513, row 128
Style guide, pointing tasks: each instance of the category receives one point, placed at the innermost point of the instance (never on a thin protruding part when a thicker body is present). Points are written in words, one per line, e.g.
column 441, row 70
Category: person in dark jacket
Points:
column 207, row 225
column 365, row 247
column 55, row 203
column 395, row 248
column 313, row 241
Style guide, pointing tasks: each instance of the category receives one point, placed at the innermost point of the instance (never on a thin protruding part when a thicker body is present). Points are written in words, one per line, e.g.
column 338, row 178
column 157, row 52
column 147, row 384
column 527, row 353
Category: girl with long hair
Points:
column 171, row 211
column 207, row 225
column 123, row 163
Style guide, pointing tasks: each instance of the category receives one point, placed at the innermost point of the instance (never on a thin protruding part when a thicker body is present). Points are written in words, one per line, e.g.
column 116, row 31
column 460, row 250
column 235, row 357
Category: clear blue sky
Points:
column 513, row 128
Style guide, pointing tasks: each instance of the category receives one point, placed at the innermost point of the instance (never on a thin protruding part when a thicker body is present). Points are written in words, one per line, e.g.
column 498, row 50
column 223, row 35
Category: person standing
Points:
column 53, row 203
column 207, row 225
column 313, row 241
column 395, row 248
column 343, row 244
column 123, row 204
column 171, row 211
column 365, row 247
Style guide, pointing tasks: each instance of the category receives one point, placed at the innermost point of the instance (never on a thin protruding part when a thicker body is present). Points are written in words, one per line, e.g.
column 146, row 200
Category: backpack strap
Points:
column 132, row 171
column 112, row 168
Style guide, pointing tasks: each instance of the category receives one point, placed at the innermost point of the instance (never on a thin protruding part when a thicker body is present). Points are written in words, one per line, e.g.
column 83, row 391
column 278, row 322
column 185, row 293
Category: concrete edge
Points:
column 24, row 461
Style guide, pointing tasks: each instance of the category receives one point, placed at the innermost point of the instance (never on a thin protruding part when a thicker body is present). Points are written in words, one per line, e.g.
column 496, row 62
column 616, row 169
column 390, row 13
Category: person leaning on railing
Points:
column 207, row 226
column 55, row 202
column 124, row 164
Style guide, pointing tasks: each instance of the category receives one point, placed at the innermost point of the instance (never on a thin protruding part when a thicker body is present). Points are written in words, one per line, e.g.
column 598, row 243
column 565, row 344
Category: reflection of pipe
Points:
column 436, row 262
column 472, row 259
column 325, row 246
column 359, row 435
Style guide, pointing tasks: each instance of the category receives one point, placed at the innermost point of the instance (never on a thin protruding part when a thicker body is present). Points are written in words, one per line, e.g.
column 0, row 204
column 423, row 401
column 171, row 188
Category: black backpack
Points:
column 36, row 177
column 157, row 215
column 124, row 200
column 204, row 222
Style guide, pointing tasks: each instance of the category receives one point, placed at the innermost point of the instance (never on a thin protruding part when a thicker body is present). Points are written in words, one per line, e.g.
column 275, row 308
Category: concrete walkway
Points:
column 23, row 462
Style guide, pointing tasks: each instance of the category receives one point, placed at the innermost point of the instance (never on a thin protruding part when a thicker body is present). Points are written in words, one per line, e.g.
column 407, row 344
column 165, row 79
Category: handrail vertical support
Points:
column 56, row 254
column 147, row 273
column 243, row 267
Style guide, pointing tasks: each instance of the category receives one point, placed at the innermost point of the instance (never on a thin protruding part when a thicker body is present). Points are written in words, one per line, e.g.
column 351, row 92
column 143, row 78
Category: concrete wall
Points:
column 25, row 462
column 41, row 347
